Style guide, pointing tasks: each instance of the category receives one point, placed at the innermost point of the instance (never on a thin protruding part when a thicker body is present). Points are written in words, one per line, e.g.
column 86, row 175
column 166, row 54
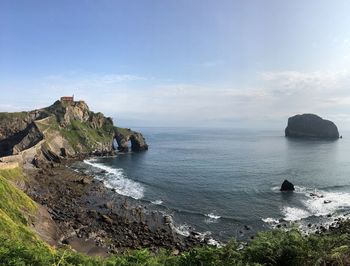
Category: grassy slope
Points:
column 80, row 133
column 18, row 242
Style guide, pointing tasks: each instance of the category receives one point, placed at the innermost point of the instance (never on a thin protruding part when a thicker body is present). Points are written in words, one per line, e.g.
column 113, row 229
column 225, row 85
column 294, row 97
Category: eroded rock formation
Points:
column 123, row 136
column 311, row 126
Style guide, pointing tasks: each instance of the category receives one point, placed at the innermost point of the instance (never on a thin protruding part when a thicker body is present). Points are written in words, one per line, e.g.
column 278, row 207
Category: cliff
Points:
column 64, row 129
column 311, row 126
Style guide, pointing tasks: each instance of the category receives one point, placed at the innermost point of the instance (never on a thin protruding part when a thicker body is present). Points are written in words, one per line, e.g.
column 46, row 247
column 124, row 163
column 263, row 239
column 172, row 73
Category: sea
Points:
column 225, row 183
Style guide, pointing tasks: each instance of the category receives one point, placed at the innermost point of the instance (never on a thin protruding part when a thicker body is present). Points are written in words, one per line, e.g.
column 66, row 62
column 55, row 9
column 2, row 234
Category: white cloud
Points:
column 275, row 96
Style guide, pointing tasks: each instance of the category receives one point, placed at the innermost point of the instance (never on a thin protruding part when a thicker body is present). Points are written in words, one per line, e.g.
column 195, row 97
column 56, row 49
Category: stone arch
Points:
column 123, row 137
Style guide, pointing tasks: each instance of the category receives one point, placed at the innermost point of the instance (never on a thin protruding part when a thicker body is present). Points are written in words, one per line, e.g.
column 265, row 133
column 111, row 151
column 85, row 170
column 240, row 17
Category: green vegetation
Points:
column 269, row 248
column 19, row 245
column 14, row 203
column 13, row 175
column 10, row 116
column 79, row 133
column 123, row 131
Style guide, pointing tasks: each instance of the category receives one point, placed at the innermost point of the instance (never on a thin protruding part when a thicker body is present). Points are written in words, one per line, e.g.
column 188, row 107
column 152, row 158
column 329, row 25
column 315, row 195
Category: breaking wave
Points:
column 314, row 203
column 115, row 178
column 157, row 202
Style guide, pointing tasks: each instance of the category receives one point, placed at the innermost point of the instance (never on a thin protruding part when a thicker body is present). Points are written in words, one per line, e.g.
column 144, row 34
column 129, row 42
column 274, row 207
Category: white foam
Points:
column 270, row 220
column 299, row 189
column 213, row 216
column 157, row 202
column 182, row 229
column 328, row 204
column 115, row 178
column 294, row 214
column 214, row 242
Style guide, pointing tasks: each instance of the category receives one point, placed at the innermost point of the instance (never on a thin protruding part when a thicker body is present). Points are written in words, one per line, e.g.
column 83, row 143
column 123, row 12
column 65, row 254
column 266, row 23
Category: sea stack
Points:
column 287, row 186
column 311, row 126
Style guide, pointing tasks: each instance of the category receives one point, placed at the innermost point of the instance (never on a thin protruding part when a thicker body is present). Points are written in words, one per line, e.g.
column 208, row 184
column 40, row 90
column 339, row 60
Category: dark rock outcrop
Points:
column 287, row 186
column 124, row 135
column 311, row 126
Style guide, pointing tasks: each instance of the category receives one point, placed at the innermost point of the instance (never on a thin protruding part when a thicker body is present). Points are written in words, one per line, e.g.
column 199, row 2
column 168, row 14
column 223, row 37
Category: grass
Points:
column 82, row 134
column 13, row 175
column 123, row 131
column 16, row 115
column 13, row 202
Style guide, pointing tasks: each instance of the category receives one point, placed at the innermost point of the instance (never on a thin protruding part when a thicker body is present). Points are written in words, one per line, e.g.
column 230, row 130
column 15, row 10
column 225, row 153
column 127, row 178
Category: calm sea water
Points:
column 219, row 180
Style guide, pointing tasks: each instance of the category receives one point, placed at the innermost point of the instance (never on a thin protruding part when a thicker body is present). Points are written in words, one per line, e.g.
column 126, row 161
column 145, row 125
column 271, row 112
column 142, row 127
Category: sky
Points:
column 205, row 63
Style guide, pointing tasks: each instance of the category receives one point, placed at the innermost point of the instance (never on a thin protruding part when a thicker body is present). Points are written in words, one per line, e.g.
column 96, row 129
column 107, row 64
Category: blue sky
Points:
column 179, row 62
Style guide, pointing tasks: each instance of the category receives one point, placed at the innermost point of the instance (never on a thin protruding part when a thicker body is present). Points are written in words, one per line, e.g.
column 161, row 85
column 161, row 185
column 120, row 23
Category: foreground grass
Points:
column 269, row 248
column 19, row 245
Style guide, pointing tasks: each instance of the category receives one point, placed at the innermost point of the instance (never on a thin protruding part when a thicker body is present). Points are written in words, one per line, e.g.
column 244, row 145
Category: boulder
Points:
column 287, row 186
column 311, row 126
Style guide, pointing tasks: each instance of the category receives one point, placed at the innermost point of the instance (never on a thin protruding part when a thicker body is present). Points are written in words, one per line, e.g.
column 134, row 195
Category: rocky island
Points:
column 311, row 126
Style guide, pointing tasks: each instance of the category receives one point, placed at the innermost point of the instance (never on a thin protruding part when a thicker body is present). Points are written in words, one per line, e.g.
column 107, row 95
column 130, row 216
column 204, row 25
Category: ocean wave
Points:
column 157, row 202
column 115, row 178
column 182, row 229
column 298, row 189
column 295, row 214
column 327, row 202
column 317, row 203
column 270, row 220
column 213, row 216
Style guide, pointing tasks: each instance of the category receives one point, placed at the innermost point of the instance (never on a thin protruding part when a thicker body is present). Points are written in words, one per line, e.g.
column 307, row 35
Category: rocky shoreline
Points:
column 95, row 220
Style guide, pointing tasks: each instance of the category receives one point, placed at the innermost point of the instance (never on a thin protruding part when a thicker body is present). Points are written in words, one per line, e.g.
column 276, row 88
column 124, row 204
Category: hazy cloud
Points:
column 148, row 101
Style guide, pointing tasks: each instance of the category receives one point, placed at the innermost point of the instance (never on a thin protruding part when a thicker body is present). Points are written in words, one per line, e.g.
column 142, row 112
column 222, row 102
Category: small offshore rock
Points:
column 287, row 186
column 246, row 227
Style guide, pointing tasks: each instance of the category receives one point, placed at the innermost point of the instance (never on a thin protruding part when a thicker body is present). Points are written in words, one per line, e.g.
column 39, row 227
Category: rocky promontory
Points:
column 311, row 126
column 65, row 129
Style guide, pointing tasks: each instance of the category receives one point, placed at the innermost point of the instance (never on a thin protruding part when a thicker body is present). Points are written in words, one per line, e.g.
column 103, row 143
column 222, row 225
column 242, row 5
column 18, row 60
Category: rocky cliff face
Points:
column 311, row 126
column 64, row 129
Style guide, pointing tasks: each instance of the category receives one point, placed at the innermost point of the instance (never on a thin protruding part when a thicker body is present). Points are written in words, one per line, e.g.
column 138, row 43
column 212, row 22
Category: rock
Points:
column 44, row 133
column 315, row 195
column 311, row 126
column 108, row 205
column 327, row 201
column 85, row 181
column 107, row 219
column 167, row 219
column 123, row 136
column 287, row 186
